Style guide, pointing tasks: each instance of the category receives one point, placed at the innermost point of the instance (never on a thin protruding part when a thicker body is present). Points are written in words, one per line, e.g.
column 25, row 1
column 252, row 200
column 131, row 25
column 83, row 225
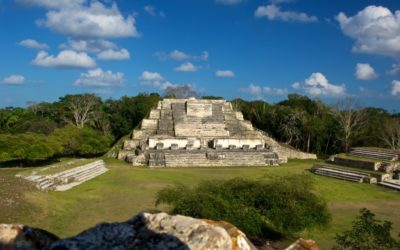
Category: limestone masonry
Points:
column 191, row 132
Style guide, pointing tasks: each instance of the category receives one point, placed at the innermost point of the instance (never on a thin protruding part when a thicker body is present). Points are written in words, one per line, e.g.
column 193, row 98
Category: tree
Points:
column 367, row 233
column 80, row 109
column 350, row 118
column 391, row 133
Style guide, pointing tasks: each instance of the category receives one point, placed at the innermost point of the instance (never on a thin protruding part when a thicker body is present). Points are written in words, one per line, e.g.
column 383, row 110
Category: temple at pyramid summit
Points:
column 202, row 133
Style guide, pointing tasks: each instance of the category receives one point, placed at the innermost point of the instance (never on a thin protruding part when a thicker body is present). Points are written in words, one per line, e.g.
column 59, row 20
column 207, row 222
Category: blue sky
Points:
column 231, row 48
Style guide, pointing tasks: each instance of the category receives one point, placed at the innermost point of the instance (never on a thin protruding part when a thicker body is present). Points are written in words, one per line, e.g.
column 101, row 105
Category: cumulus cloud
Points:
column 364, row 71
column 395, row 88
column 151, row 76
column 179, row 55
column 224, row 73
column 93, row 21
column 89, row 45
column 154, row 79
column 99, row 78
column 33, row 44
column 375, row 29
column 111, row 54
column 274, row 12
column 14, row 80
column 259, row 91
column 229, row 2
column 65, row 59
column 187, row 67
column 318, row 85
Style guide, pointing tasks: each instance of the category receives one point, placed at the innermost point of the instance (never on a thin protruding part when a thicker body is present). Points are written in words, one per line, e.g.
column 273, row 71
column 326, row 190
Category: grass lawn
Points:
column 125, row 191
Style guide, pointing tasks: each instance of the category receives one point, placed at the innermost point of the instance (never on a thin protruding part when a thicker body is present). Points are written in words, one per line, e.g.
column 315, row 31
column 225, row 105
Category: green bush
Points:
column 262, row 209
column 367, row 233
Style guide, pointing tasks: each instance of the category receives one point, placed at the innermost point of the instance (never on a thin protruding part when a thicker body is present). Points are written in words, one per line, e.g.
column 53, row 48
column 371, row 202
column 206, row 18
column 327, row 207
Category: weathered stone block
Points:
column 232, row 146
column 259, row 147
column 174, row 146
column 160, row 145
column 246, row 147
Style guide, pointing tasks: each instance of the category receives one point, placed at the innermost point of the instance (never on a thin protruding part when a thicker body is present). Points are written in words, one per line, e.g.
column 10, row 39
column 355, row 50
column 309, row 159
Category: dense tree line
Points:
column 85, row 125
column 75, row 125
column 312, row 126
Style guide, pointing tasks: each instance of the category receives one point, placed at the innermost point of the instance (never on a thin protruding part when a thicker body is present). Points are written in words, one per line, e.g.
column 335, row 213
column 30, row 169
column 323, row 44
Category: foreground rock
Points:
column 144, row 231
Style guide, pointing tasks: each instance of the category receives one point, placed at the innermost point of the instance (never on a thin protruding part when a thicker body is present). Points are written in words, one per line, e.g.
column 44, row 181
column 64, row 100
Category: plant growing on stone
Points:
column 261, row 208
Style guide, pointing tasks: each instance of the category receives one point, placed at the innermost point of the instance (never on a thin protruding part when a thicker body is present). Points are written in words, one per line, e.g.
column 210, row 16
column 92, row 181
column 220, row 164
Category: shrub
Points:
column 367, row 233
column 262, row 209
column 83, row 142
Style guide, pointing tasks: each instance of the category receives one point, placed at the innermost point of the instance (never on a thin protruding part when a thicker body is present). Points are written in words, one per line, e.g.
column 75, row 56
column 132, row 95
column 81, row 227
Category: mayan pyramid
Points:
column 192, row 132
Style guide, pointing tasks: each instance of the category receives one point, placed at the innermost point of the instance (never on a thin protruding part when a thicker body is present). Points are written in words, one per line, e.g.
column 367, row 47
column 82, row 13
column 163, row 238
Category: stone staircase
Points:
column 373, row 153
column 69, row 178
column 339, row 173
column 394, row 184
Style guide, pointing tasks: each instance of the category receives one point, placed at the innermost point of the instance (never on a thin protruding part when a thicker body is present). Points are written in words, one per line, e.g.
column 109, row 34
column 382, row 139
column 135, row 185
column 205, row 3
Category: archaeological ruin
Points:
column 192, row 132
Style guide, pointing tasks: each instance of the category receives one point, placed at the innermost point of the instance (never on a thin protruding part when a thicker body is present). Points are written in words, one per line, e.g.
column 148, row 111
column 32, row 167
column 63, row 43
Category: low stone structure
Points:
column 380, row 165
column 143, row 232
column 67, row 179
column 191, row 132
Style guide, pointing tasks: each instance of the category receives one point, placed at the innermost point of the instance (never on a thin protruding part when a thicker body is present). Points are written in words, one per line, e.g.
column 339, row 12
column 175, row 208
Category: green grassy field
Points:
column 125, row 191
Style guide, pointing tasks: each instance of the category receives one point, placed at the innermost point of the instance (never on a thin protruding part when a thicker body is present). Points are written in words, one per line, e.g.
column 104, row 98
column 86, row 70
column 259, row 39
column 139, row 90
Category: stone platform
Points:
column 191, row 132
column 68, row 179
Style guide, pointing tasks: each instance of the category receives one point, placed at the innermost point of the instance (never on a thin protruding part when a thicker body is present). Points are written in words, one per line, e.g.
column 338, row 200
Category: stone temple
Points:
column 202, row 133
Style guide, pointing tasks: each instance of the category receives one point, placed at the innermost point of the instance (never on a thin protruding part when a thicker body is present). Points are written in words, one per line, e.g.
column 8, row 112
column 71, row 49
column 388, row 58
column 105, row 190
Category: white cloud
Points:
column 364, row 71
column 33, row 44
column 151, row 10
column 154, row 79
column 99, row 78
column 296, row 85
column 395, row 88
column 111, row 54
column 186, row 67
column 89, row 45
column 224, row 73
column 318, row 85
column 14, row 80
column 151, row 76
column 52, row 4
column 65, row 59
column 228, row 2
column 274, row 91
column 375, row 29
column 179, row 55
column 92, row 21
column 259, row 91
column 395, row 71
column 274, row 12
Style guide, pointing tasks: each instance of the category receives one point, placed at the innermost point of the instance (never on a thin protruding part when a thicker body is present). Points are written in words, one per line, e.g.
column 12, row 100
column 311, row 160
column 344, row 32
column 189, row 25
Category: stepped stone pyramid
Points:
column 191, row 132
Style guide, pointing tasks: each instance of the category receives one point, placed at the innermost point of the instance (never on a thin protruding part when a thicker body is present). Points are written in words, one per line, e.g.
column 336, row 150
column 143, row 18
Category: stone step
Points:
column 395, row 184
column 340, row 172
column 87, row 172
column 73, row 184
column 72, row 171
column 338, row 176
